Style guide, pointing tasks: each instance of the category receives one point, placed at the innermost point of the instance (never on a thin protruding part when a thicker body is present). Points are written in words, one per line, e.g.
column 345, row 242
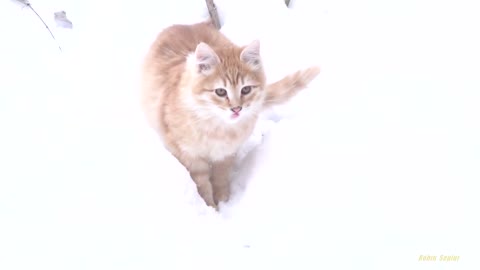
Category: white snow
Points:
column 373, row 165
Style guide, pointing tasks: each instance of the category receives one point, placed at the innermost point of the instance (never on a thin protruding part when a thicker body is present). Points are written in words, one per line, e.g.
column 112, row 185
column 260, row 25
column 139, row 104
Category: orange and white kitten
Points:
column 203, row 95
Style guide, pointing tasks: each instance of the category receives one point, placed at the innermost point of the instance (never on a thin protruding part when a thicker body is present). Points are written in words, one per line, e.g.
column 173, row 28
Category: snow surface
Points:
column 375, row 164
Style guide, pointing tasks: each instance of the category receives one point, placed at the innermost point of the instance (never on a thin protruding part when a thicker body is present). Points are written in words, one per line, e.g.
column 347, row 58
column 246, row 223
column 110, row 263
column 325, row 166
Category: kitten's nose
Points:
column 236, row 109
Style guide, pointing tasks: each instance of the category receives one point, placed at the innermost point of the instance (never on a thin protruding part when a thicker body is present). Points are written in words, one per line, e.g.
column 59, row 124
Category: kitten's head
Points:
column 227, row 83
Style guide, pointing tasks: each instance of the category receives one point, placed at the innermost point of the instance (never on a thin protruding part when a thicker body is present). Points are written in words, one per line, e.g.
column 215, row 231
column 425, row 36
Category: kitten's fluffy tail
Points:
column 283, row 90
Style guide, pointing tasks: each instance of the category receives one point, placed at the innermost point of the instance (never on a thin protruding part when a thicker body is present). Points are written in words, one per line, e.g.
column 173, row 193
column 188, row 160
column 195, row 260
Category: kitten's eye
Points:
column 221, row 92
column 246, row 90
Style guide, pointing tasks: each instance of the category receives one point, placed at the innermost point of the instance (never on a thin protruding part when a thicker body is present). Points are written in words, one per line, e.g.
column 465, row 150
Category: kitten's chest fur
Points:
column 216, row 143
column 184, row 134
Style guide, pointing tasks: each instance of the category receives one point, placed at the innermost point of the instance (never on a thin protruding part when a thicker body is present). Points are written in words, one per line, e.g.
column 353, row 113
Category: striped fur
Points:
column 201, row 126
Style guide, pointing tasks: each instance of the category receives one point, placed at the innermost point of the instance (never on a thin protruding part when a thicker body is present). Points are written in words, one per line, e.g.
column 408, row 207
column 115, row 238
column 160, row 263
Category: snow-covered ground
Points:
column 374, row 165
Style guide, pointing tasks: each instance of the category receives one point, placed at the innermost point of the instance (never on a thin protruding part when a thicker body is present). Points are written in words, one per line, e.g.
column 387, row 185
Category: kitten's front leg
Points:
column 221, row 179
column 204, row 187
column 199, row 170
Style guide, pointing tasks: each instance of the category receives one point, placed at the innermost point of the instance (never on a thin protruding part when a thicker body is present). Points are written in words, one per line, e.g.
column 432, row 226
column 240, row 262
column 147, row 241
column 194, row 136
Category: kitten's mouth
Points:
column 235, row 115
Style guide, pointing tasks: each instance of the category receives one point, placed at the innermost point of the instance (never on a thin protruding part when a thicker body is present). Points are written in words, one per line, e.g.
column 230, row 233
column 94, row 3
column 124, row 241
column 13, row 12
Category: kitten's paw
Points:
column 210, row 202
column 221, row 195
column 207, row 196
column 222, row 198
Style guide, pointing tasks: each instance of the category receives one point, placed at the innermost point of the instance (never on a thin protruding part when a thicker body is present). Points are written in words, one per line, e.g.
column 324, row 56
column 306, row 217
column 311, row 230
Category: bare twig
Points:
column 26, row 3
column 212, row 10
column 30, row 6
column 21, row 2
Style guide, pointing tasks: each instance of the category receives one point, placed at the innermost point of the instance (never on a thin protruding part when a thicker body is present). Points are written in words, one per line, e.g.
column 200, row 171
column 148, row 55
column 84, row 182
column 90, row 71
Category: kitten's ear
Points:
column 251, row 55
column 205, row 58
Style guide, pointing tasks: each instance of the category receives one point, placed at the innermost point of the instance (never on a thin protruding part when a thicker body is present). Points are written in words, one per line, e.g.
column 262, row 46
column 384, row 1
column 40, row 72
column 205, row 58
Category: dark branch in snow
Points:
column 21, row 2
column 30, row 6
column 26, row 3
column 212, row 10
